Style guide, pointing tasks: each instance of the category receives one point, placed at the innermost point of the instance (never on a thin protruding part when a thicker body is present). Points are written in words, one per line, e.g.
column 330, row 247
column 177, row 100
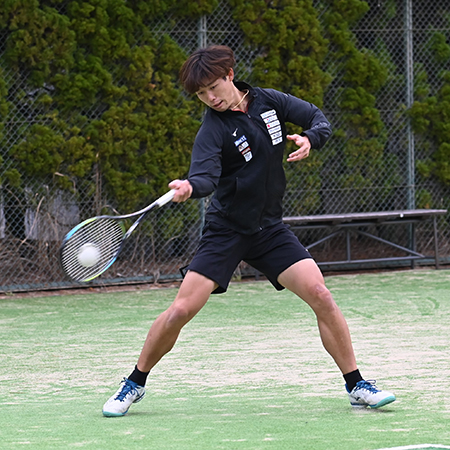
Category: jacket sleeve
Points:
column 206, row 159
column 313, row 121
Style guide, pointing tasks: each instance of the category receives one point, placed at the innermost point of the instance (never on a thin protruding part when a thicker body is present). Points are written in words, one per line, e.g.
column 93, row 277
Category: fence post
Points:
column 409, row 55
column 202, row 32
column 410, row 99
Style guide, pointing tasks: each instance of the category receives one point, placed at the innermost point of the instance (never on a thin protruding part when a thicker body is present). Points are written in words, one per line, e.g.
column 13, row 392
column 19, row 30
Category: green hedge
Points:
column 102, row 97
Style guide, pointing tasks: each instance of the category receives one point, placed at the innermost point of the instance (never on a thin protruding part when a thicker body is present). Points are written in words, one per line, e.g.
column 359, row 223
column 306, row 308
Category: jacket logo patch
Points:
column 273, row 125
column 244, row 148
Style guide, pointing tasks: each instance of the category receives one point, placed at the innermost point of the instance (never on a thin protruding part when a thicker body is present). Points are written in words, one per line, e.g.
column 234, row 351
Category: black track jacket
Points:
column 240, row 157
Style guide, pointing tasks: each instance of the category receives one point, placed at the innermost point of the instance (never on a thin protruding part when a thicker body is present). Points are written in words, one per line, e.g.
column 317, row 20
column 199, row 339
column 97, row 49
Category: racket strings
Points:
column 106, row 235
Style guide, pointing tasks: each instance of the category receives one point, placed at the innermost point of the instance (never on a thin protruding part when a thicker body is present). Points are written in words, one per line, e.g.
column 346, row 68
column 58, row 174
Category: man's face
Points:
column 219, row 94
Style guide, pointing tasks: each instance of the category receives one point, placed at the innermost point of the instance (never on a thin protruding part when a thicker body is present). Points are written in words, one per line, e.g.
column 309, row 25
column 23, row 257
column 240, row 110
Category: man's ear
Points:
column 231, row 74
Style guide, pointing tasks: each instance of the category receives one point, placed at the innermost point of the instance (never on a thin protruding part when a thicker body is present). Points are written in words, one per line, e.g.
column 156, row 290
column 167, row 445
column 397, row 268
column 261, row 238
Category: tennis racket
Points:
column 90, row 248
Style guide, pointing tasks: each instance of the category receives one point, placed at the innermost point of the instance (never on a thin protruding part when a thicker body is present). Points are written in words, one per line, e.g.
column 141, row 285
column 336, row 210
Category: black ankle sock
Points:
column 138, row 377
column 352, row 378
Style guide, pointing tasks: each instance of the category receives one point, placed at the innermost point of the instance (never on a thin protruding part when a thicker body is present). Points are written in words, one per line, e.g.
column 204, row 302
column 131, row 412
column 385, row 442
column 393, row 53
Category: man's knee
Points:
column 179, row 313
column 320, row 298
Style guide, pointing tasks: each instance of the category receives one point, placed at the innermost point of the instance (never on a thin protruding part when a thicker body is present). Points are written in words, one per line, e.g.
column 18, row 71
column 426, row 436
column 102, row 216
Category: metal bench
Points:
column 353, row 222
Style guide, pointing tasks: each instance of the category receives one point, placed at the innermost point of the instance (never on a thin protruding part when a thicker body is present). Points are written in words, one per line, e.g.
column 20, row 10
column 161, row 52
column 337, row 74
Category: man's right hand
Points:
column 183, row 190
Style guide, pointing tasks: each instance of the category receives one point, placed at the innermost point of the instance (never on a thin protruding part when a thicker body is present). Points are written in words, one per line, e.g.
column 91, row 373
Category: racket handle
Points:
column 166, row 198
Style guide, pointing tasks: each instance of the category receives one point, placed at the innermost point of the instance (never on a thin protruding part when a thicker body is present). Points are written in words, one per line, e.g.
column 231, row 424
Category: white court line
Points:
column 410, row 447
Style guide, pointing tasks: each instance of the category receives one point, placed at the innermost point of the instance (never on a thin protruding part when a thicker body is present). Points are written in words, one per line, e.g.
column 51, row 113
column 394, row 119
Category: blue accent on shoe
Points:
column 128, row 386
column 110, row 414
column 368, row 386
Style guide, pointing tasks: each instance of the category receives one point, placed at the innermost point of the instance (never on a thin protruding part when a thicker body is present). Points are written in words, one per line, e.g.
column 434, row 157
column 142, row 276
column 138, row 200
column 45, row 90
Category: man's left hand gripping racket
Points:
column 91, row 247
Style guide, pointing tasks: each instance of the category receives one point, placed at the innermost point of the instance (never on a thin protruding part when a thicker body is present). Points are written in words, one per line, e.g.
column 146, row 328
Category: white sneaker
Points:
column 365, row 393
column 119, row 404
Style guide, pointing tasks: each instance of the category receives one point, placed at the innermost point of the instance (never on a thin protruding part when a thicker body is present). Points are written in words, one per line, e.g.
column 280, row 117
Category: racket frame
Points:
column 161, row 201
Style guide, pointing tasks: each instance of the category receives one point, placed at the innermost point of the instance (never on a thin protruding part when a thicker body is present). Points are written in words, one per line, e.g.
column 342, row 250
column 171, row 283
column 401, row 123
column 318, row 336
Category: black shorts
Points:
column 271, row 251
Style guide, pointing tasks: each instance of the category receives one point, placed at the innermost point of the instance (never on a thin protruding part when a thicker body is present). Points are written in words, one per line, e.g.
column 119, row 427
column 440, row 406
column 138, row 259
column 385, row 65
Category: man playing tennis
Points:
column 238, row 155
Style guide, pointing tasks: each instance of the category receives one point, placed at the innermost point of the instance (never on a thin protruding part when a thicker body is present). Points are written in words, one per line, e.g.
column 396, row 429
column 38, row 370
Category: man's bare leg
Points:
column 305, row 280
column 192, row 296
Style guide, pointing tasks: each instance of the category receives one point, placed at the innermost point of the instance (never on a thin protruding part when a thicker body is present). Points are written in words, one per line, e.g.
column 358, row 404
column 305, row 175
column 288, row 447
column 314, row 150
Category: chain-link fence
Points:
column 336, row 179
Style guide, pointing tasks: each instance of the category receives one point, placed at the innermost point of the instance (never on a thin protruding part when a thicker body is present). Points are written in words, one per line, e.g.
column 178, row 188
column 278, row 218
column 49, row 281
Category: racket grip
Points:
column 166, row 198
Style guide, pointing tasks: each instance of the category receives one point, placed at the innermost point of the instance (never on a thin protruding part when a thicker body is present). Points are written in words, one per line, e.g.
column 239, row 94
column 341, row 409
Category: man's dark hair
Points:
column 205, row 66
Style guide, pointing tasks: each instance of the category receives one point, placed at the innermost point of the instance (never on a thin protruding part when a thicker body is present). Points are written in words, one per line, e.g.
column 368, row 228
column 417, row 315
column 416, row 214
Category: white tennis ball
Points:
column 88, row 255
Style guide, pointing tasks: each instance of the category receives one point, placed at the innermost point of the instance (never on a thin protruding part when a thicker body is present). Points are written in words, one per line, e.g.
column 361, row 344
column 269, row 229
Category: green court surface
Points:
column 249, row 372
